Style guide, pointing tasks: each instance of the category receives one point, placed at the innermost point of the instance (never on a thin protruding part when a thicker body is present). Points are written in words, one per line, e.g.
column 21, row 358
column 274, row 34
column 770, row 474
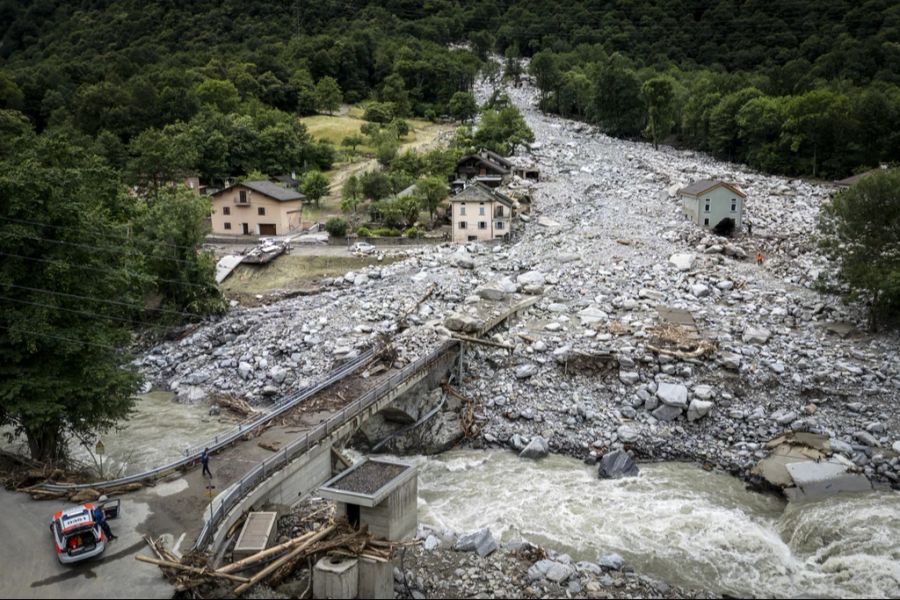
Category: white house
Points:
column 708, row 202
column 479, row 213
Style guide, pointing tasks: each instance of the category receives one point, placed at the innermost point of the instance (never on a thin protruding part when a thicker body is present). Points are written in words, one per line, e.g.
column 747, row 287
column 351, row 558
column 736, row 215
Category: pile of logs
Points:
column 274, row 564
column 236, row 405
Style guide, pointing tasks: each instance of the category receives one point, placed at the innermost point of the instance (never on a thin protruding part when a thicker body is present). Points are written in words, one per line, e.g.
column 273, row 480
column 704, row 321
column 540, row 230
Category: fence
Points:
column 230, row 499
column 192, row 455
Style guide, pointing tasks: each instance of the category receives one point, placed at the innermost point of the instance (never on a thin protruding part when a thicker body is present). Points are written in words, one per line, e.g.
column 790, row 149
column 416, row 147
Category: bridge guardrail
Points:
column 298, row 447
column 192, row 455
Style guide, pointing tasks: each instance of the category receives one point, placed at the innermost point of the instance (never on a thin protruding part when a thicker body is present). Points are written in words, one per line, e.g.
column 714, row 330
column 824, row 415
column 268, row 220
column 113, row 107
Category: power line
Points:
column 112, row 237
column 99, row 270
column 103, row 249
column 66, row 339
column 83, row 312
column 114, row 302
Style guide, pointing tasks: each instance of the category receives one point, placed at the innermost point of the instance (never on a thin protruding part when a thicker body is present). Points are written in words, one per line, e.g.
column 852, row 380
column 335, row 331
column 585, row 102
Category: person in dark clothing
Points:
column 100, row 518
column 204, row 460
column 749, row 228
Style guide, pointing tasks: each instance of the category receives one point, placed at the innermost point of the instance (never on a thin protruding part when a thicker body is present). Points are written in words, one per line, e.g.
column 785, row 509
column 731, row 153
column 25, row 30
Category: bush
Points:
column 364, row 232
column 379, row 112
column 411, row 232
column 386, row 232
column 336, row 227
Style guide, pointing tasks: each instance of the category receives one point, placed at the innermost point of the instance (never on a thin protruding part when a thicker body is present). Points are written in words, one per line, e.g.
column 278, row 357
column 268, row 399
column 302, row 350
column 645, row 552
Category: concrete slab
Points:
column 676, row 316
column 226, row 265
column 821, row 479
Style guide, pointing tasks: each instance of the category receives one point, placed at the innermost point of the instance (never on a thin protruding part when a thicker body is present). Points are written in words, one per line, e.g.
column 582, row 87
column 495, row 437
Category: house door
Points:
column 245, row 228
column 266, row 229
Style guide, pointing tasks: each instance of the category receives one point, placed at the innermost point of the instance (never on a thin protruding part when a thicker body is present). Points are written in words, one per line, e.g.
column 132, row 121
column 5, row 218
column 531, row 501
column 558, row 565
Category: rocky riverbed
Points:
column 611, row 257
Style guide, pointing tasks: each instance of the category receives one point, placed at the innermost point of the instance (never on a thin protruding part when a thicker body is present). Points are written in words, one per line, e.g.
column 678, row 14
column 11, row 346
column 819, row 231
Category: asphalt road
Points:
column 28, row 565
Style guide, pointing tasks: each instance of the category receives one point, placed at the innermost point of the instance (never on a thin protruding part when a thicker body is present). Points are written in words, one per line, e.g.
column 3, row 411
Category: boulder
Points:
column 525, row 371
column 550, row 570
column 591, row 315
column 629, row 377
column 756, row 335
column 278, row 374
column 627, row 434
column 617, row 464
column 698, row 409
column 463, row 323
column 531, row 278
column 191, row 394
column 244, row 370
column 611, row 561
column 699, row 290
column 667, row 413
column 536, row 449
column 493, row 291
column 672, row 394
column 682, row 262
column 482, row 542
column 866, row 438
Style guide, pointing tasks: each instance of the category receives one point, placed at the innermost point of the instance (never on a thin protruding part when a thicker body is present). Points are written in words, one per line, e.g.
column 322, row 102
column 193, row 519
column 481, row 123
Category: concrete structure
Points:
column 479, row 213
column 336, row 577
column 376, row 579
column 388, row 510
column 708, row 202
column 256, row 535
column 256, row 208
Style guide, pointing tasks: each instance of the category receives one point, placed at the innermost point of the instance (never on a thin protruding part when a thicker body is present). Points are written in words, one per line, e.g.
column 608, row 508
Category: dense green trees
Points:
column 861, row 228
column 84, row 264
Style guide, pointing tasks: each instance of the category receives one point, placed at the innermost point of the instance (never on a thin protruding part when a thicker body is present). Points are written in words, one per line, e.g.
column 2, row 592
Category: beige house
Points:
column 479, row 213
column 256, row 208
column 708, row 202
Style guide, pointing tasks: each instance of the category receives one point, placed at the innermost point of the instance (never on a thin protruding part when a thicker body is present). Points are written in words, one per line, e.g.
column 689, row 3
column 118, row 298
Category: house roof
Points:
column 287, row 180
column 478, row 192
column 500, row 160
column 854, row 179
column 267, row 188
column 484, row 160
column 705, row 185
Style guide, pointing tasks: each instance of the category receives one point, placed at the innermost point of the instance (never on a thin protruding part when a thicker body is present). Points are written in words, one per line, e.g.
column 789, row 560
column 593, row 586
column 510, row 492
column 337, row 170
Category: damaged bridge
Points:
column 307, row 462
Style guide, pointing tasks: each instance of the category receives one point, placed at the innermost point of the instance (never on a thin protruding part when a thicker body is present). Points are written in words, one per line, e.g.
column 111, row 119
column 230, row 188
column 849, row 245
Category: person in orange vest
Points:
column 759, row 258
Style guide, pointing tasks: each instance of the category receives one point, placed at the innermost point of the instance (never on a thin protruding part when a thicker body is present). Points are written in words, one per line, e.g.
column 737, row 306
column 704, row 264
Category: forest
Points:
column 796, row 87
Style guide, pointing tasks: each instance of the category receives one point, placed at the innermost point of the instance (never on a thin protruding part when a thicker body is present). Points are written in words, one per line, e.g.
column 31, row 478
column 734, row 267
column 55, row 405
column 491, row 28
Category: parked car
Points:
column 362, row 248
column 77, row 535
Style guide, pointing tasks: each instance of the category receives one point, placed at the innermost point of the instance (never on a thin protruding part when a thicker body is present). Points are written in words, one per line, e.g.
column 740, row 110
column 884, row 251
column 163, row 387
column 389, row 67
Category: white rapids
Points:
column 675, row 521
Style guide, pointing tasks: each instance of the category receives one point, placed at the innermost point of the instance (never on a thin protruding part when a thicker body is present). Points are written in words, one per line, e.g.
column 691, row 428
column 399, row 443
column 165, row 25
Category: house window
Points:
column 226, row 210
column 706, row 221
column 733, row 205
column 481, row 209
column 707, row 207
column 499, row 224
column 462, row 224
column 261, row 210
column 242, row 197
column 482, row 224
column 227, row 225
column 498, row 212
column 462, row 210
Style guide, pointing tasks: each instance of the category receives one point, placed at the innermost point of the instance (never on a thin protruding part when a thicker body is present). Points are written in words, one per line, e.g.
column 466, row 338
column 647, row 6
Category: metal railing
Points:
column 192, row 455
column 238, row 491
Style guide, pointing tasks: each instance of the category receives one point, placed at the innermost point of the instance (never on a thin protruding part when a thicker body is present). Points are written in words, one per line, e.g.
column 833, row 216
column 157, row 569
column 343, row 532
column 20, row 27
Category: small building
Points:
column 708, row 202
column 378, row 493
column 485, row 167
column 256, row 208
column 528, row 173
column 479, row 213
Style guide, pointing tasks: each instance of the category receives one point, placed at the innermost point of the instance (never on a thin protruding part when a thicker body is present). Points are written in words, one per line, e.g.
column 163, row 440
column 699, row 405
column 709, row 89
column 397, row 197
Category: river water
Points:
column 156, row 433
column 675, row 521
